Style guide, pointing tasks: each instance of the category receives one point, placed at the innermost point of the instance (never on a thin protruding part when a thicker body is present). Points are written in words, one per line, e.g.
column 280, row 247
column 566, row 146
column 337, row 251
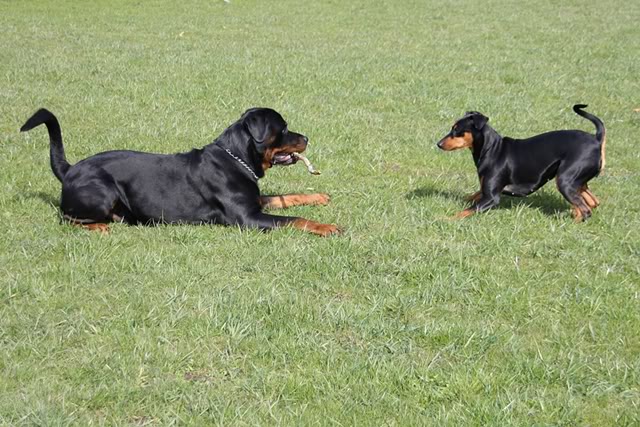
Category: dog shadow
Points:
column 44, row 197
column 547, row 203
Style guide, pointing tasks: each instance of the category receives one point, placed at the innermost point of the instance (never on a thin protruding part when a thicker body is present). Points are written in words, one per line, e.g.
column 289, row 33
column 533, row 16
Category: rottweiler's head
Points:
column 273, row 140
column 464, row 132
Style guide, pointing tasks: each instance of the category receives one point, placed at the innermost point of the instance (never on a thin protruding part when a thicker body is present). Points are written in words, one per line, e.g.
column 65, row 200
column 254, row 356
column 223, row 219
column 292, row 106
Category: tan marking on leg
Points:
column 588, row 197
column 97, row 226
column 588, row 200
column 581, row 213
column 102, row 227
column 289, row 200
column 475, row 197
column 464, row 214
column 593, row 197
column 577, row 213
column 309, row 226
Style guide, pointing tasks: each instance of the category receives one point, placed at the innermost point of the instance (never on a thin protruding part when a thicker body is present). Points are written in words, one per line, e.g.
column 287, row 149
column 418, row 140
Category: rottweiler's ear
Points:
column 257, row 126
column 479, row 120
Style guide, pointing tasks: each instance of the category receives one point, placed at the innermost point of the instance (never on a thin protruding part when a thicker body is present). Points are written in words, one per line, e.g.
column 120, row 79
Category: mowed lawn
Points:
column 514, row 317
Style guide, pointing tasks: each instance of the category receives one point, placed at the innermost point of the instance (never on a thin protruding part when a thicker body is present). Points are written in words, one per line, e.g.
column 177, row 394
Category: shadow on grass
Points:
column 549, row 204
column 45, row 197
column 419, row 193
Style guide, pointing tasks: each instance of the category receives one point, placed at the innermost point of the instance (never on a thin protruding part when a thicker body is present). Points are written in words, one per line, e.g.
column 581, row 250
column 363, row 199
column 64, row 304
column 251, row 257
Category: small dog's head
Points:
column 464, row 132
column 271, row 136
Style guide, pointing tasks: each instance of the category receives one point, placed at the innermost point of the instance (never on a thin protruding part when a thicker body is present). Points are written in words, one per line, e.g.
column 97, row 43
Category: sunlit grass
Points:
column 514, row 317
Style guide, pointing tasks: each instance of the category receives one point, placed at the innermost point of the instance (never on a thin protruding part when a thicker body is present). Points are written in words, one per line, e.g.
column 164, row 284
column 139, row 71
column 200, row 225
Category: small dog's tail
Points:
column 59, row 163
column 601, row 132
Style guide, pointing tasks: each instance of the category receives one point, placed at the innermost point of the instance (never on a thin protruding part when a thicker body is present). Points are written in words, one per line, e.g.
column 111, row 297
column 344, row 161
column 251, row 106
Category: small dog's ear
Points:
column 258, row 127
column 479, row 120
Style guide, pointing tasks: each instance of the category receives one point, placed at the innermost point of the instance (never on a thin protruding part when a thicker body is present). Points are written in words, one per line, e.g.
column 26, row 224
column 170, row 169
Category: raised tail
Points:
column 601, row 132
column 59, row 163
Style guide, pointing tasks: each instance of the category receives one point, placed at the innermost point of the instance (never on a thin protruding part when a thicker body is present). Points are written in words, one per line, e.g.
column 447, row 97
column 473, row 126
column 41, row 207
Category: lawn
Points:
column 514, row 317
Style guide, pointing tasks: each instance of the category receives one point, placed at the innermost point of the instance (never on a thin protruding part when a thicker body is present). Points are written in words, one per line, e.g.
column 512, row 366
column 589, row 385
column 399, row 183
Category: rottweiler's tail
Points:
column 59, row 163
column 601, row 132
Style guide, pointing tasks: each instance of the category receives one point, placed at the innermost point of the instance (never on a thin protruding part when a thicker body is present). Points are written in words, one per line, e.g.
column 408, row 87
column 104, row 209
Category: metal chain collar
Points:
column 239, row 160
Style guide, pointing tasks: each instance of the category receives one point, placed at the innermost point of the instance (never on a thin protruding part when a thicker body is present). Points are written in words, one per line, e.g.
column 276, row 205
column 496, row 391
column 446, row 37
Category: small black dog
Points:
column 518, row 167
column 217, row 184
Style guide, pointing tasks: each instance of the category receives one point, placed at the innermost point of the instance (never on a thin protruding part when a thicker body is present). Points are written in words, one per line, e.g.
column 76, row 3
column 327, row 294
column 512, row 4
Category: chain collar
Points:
column 239, row 160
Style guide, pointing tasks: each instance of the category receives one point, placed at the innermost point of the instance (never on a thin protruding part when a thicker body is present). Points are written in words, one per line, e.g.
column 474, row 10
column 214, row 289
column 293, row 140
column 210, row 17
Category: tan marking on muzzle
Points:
column 456, row 142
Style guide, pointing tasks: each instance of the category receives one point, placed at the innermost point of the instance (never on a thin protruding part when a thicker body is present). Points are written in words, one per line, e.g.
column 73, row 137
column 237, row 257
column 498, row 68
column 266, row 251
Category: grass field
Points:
column 514, row 317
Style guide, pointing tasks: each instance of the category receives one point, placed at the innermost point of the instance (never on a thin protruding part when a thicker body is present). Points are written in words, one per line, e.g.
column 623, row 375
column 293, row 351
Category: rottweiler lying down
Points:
column 217, row 184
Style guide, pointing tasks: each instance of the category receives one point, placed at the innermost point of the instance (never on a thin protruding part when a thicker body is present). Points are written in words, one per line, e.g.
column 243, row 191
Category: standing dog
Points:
column 217, row 184
column 518, row 167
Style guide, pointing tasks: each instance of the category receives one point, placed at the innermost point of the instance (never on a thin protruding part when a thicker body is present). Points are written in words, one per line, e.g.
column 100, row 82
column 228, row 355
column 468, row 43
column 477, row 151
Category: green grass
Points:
column 514, row 317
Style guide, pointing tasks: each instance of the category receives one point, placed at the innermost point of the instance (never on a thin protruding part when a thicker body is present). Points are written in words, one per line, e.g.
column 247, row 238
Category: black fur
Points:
column 204, row 185
column 518, row 167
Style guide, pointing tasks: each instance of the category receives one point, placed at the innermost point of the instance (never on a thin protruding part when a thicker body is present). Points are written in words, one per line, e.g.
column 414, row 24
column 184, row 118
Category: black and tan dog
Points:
column 518, row 167
column 217, row 184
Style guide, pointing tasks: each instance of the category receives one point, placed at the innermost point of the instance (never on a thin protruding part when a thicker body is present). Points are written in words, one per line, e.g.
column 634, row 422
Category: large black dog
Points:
column 217, row 184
